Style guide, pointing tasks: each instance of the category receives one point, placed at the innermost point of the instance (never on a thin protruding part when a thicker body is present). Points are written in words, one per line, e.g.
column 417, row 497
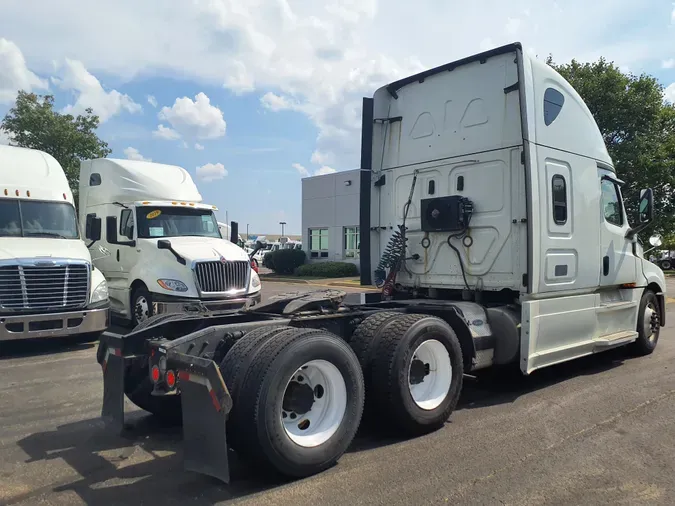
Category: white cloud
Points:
column 14, row 74
column 134, row 154
column 196, row 118
column 165, row 133
column 199, row 147
column 324, row 170
column 152, row 100
column 321, row 58
column 275, row 102
column 672, row 15
column 302, row 170
column 668, row 64
column 669, row 93
column 90, row 93
column 211, row 172
column 512, row 26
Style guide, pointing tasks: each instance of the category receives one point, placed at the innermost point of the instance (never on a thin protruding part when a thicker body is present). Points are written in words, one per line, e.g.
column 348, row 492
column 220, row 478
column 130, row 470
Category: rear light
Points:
column 155, row 373
column 171, row 379
column 254, row 265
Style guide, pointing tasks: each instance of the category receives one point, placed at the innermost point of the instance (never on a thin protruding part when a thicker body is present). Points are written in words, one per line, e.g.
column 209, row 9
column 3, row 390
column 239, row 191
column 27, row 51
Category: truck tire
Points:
column 666, row 265
column 364, row 342
column 141, row 305
column 648, row 326
column 138, row 386
column 298, row 403
column 416, row 374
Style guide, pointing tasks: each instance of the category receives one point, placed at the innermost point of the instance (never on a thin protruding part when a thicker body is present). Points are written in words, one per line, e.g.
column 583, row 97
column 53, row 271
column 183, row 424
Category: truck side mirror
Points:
column 163, row 244
column 111, row 229
column 646, row 206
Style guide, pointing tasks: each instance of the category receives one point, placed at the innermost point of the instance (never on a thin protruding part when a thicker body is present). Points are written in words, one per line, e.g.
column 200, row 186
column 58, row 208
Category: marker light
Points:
column 28, row 193
column 171, row 379
column 155, row 373
column 17, row 192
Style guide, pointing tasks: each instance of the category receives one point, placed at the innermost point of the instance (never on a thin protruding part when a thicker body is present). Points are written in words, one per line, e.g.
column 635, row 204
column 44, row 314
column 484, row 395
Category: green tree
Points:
column 638, row 128
column 33, row 123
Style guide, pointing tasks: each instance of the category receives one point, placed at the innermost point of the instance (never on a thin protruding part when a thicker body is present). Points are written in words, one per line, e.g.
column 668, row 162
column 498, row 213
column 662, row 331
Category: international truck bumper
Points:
column 13, row 327
column 164, row 304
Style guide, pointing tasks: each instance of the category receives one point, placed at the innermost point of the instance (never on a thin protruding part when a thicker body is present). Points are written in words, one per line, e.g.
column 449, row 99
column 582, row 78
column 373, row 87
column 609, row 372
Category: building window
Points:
column 352, row 243
column 559, row 192
column 318, row 243
column 553, row 104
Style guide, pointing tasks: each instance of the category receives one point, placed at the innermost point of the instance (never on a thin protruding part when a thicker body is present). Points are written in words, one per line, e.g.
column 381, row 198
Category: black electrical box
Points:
column 446, row 214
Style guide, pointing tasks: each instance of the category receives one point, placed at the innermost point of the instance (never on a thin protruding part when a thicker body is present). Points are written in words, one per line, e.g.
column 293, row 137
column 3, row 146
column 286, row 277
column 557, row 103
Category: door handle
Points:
column 605, row 265
column 118, row 255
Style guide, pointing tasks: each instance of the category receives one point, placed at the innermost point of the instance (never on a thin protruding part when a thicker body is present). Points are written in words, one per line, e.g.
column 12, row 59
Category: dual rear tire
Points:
column 298, row 394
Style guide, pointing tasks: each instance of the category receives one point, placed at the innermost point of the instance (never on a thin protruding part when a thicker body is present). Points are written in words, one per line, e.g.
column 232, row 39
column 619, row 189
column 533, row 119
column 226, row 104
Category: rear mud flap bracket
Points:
column 113, row 366
column 205, row 403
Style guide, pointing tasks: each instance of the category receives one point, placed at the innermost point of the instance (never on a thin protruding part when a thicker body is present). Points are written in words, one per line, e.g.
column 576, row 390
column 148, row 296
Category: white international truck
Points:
column 492, row 218
column 48, row 284
column 162, row 250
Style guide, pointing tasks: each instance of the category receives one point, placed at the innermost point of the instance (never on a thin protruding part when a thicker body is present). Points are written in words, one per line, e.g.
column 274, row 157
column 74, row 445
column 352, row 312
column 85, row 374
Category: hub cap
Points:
column 430, row 374
column 142, row 309
column 651, row 322
column 314, row 403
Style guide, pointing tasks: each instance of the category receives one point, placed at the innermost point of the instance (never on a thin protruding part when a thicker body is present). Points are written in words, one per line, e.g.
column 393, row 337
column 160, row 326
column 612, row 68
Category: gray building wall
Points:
column 330, row 202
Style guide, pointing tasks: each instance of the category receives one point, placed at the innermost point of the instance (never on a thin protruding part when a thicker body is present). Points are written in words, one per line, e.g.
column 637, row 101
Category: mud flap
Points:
column 206, row 403
column 113, row 365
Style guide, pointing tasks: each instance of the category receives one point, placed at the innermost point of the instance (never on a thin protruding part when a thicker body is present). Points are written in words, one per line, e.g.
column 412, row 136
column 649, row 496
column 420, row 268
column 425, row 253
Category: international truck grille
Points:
column 24, row 287
column 216, row 276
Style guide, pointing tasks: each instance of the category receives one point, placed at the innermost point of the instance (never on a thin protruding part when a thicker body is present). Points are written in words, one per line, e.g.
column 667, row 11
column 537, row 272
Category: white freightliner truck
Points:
column 162, row 250
column 48, row 285
column 492, row 218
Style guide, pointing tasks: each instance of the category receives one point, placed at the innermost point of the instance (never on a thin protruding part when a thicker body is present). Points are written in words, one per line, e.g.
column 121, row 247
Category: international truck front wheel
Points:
column 649, row 325
column 298, row 405
column 417, row 374
column 141, row 305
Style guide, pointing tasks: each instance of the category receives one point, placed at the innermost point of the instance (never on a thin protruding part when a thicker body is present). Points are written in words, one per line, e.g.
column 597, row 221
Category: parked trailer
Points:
column 491, row 217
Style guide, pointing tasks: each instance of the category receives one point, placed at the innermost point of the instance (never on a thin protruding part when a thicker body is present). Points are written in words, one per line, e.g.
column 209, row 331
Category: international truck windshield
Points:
column 32, row 218
column 154, row 222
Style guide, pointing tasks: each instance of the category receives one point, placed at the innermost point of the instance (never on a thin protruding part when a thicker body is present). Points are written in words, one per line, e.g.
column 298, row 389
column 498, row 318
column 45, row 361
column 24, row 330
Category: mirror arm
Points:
column 630, row 233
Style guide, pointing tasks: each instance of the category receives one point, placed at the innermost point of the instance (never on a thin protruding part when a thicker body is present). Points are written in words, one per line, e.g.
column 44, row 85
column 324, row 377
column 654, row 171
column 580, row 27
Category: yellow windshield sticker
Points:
column 153, row 214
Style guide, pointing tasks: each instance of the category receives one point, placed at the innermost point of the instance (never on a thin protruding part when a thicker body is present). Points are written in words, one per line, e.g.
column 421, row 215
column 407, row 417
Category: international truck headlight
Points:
column 100, row 293
column 255, row 280
column 172, row 285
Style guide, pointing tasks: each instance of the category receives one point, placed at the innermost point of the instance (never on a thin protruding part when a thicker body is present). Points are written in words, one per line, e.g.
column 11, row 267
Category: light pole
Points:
column 282, row 223
column 247, row 231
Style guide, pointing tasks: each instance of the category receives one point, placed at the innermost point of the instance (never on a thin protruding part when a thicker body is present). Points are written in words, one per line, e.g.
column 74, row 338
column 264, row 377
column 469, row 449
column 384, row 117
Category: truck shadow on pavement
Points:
column 144, row 464
column 44, row 346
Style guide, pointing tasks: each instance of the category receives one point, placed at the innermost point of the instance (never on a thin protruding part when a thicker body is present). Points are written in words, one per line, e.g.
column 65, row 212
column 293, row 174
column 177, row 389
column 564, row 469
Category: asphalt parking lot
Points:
column 599, row 430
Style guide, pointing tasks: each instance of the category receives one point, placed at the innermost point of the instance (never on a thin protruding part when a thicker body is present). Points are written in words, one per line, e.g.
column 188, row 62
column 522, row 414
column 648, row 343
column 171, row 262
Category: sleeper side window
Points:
column 553, row 104
column 559, row 199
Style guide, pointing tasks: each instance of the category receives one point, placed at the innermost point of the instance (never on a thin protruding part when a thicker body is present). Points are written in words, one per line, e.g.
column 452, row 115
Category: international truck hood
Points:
column 43, row 247
column 206, row 248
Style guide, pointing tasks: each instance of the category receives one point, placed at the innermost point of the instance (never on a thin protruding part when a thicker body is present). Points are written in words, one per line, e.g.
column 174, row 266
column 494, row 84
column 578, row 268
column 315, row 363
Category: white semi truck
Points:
column 492, row 218
column 48, row 284
column 162, row 250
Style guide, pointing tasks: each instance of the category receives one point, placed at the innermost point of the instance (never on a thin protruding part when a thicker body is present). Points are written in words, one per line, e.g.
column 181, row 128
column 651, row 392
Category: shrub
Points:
column 328, row 270
column 284, row 261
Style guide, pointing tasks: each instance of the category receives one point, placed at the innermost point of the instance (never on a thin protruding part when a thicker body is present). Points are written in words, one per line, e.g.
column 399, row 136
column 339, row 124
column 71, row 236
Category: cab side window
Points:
column 127, row 224
column 611, row 203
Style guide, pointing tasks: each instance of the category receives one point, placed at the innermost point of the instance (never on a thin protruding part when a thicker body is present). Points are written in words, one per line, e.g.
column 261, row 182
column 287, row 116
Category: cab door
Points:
column 618, row 264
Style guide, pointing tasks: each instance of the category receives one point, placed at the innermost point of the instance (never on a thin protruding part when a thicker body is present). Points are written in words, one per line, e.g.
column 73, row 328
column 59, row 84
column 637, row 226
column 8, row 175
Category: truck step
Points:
column 616, row 339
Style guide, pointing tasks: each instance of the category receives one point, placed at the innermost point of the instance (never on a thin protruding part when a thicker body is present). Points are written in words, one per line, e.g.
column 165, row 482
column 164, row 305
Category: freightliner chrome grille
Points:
column 218, row 277
column 45, row 287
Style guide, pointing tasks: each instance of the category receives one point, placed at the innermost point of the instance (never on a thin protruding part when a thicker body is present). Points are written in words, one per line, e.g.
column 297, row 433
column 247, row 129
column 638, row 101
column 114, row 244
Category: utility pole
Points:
column 247, row 231
column 282, row 223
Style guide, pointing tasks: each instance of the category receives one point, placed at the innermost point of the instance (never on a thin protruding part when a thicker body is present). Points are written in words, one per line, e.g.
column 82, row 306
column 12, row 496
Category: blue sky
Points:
column 270, row 90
